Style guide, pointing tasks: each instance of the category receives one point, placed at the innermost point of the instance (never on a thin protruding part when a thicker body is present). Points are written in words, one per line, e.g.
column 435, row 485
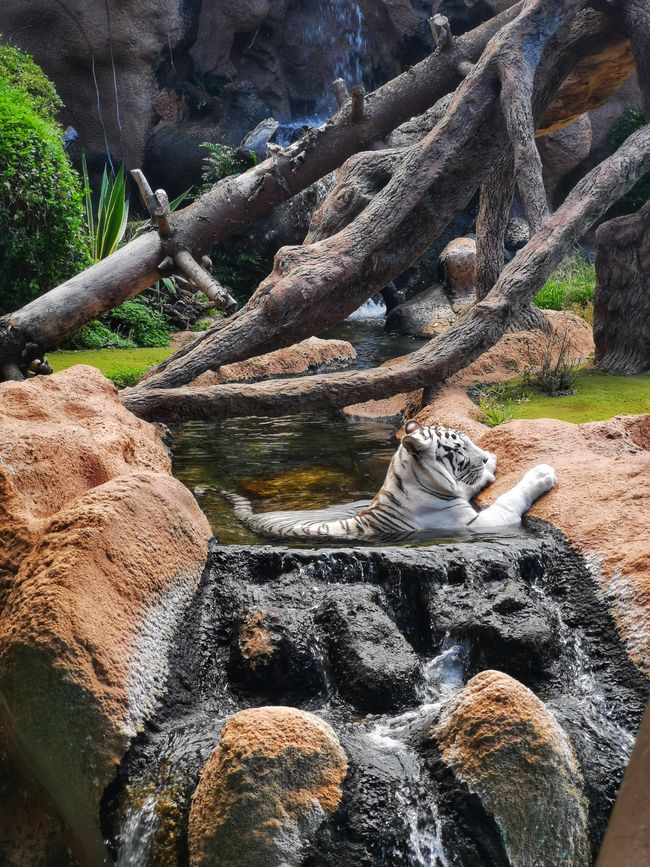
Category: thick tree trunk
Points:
column 397, row 207
column 622, row 302
column 445, row 354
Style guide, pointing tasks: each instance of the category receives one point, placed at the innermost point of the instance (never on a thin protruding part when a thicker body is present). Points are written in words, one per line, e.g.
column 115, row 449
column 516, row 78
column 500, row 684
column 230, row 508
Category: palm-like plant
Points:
column 112, row 212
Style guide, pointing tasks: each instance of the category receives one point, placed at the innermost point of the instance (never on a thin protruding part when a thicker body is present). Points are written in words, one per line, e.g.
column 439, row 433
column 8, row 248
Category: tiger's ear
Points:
column 411, row 426
column 414, row 444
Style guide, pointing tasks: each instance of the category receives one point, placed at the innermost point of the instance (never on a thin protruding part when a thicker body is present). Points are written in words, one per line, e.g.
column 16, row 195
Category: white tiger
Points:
column 432, row 477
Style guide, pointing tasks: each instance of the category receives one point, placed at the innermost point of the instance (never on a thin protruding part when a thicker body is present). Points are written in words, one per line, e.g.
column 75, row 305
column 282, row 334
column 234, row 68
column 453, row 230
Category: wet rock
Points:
column 275, row 654
column 275, row 777
column 504, row 623
column 374, row 666
column 495, row 732
column 429, row 312
column 309, row 356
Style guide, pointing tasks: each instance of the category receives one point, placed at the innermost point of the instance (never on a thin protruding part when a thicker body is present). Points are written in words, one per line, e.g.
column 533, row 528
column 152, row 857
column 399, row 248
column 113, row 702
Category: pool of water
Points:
column 294, row 462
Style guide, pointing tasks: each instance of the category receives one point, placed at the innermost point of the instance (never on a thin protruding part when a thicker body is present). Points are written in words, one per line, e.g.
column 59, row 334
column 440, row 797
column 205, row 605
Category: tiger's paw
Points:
column 539, row 480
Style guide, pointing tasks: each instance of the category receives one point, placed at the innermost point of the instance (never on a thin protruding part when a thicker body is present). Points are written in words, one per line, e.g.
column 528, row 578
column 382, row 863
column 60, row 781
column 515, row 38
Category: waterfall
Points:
column 373, row 308
column 137, row 834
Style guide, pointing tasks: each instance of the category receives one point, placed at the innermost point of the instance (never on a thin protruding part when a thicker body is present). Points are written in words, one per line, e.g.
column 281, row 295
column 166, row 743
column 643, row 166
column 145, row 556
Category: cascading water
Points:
column 340, row 35
column 373, row 308
column 137, row 834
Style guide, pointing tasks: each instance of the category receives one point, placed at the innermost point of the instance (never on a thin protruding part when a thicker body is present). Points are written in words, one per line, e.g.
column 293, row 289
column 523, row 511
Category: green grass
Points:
column 572, row 285
column 598, row 396
column 123, row 366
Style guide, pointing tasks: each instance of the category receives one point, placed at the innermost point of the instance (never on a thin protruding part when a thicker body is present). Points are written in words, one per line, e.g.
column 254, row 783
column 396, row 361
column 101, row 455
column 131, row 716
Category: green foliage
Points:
column 19, row 73
column 97, row 335
column 556, row 374
column 202, row 325
column 239, row 267
column 631, row 120
column 497, row 404
column 42, row 241
column 221, row 161
column 571, row 286
column 136, row 321
column 112, row 212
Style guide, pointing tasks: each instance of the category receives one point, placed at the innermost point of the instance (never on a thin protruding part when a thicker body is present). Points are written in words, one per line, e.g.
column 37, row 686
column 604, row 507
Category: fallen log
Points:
column 480, row 329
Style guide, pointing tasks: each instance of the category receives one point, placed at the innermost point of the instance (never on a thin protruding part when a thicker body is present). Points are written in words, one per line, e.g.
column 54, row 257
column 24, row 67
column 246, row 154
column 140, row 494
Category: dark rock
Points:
column 427, row 313
column 374, row 667
column 275, row 654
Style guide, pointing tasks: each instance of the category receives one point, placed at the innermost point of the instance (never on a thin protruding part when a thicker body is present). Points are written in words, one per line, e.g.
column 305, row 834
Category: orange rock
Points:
column 307, row 356
column 500, row 740
column 60, row 436
column 274, row 778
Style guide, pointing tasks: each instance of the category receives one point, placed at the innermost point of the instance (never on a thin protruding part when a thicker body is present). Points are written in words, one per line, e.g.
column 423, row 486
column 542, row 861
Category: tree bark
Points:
column 497, row 192
column 622, row 301
column 421, row 189
column 444, row 355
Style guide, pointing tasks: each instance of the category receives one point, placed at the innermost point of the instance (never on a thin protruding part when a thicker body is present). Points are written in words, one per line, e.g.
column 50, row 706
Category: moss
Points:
column 123, row 366
column 598, row 396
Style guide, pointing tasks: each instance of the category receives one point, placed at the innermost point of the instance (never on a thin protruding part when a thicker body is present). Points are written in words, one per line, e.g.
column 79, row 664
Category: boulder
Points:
column 309, row 356
column 275, row 654
column 458, row 261
column 500, row 740
column 61, row 436
column 274, row 778
column 374, row 666
column 427, row 313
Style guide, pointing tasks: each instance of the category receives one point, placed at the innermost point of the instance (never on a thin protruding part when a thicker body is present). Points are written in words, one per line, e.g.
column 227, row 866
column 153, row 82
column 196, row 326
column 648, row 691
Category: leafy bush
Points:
column 239, row 267
column 631, row 120
column 571, row 286
column 96, row 335
column 19, row 73
column 42, row 240
column 139, row 323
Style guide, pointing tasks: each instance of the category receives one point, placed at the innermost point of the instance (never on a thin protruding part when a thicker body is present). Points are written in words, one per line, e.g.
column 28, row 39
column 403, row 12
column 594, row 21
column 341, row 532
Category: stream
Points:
column 525, row 605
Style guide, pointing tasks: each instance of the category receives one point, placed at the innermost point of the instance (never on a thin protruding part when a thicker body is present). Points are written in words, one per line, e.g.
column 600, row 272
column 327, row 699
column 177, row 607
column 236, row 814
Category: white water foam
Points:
column 137, row 834
column 373, row 308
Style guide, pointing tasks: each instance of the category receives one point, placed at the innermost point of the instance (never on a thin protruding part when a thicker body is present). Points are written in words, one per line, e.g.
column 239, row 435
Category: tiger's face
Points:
column 449, row 458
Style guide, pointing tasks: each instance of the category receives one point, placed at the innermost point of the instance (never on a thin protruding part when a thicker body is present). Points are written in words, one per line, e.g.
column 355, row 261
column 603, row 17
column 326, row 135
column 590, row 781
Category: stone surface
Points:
column 275, row 777
column 309, row 356
column 374, row 666
column 105, row 551
column 501, row 741
column 427, row 313
column 600, row 502
column 458, row 261
column 562, row 151
column 61, row 436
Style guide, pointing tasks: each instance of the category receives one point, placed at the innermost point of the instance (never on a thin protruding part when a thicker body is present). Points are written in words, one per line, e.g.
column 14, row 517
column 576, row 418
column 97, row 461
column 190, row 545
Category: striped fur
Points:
column 432, row 476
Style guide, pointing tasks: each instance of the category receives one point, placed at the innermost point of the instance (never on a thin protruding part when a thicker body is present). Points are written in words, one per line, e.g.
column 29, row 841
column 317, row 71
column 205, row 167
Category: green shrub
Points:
column 19, row 73
column 572, row 285
column 42, row 238
column 139, row 323
column 497, row 404
column 631, row 120
column 222, row 161
column 96, row 335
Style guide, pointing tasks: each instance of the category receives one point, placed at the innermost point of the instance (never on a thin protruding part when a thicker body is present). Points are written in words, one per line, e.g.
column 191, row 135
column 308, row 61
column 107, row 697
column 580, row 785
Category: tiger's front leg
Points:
column 510, row 507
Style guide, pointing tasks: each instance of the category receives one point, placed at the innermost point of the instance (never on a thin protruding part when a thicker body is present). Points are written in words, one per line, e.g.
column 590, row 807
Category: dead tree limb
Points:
column 480, row 329
column 316, row 285
column 636, row 20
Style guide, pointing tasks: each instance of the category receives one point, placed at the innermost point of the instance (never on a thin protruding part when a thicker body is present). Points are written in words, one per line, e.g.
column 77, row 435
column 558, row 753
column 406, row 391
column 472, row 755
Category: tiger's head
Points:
column 446, row 461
